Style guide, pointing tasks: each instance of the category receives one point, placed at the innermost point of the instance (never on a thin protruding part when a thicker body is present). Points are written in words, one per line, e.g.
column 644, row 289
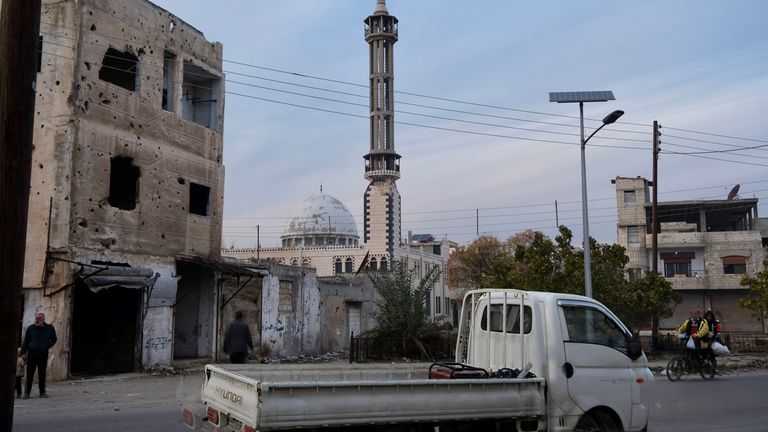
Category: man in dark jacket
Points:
column 38, row 339
column 238, row 340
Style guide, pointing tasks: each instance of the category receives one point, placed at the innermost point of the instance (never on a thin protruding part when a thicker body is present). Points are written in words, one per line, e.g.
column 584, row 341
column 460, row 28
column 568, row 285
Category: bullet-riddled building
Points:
column 127, row 186
column 704, row 249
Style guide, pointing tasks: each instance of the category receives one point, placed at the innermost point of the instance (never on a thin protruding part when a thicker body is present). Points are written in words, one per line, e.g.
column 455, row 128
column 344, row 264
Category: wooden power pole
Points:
column 655, row 228
column 19, row 31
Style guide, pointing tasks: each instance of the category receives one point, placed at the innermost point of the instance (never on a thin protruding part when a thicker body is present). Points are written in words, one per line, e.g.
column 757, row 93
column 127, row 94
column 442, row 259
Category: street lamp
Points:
column 581, row 97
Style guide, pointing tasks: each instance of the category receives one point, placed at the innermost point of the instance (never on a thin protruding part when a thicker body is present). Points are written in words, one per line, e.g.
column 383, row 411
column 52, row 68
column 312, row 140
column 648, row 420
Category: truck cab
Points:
column 596, row 373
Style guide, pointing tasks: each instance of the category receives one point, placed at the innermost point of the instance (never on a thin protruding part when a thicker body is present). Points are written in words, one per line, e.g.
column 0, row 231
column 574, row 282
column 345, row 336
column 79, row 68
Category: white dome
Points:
column 323, row 219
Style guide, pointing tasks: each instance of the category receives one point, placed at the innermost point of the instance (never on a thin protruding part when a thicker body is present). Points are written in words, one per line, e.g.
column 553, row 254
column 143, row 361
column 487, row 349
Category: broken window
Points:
column 169, row 60
column 198, row 199
column 200, row 92
column 123, row 183
column 120, row 69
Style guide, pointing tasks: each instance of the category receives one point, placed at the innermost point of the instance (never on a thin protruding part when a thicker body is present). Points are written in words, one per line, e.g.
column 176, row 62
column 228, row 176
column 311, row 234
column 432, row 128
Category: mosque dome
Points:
column 321, row 220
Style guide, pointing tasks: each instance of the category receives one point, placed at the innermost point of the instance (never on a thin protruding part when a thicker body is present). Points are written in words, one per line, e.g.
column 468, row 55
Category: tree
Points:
column 756, row 301
column 402, row 310
column 654, row 299
column 540, row 264
column 468, row 266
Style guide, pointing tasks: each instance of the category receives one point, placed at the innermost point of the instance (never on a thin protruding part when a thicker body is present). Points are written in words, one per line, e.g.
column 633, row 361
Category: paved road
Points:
column 151, row 403
column 729, row 403
column 144, row 403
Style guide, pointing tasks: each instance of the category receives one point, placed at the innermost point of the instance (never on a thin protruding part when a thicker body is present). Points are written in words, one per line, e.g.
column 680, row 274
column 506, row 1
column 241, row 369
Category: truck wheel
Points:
column 596, row 421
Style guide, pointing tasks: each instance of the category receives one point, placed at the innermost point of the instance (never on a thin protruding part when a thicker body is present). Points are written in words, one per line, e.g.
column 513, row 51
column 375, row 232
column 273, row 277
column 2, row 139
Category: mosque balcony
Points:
column 370, row 174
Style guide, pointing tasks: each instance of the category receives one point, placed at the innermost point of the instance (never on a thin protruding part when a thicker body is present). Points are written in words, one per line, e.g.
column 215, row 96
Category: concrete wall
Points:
column 338, row 294
column 295, row 329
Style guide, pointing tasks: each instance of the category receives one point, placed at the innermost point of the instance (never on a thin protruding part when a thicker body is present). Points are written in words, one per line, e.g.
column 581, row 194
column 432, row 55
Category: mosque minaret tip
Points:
column 382, row 163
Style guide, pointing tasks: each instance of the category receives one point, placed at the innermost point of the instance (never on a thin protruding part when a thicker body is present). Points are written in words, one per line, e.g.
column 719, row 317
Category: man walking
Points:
column 238, row 340
column 38, row 339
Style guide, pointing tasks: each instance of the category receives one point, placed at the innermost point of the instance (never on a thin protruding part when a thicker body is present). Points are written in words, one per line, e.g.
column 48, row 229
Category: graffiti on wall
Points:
column 158, row 343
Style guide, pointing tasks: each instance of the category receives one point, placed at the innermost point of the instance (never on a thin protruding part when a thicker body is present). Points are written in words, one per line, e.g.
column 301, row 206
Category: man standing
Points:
column 238, row 340
column 38, row 339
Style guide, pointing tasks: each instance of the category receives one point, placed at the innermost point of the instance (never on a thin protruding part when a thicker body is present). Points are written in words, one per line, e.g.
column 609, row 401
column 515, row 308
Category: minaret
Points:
column 382, row 163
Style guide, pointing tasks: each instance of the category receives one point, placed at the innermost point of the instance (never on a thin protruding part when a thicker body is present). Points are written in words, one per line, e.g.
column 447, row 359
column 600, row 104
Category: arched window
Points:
column 383, row 264
column 295, row 262
column 373, row 264
column 348, row 265
column 337, row 265
column 305, row 263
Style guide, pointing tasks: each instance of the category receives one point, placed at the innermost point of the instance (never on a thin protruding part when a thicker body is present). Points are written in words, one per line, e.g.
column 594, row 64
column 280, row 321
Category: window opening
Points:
column 169, row 60
column 734, row 265
column 119, row 68
column 373, row 264
column 383, row 265
column 438, row 304
column 199, row 196
column 348, row 265
column 200, row 92
column 513, row 318
column 39, row 52
column 630, row 198
column 633, row 235
column 337, row 265
column 123, row 183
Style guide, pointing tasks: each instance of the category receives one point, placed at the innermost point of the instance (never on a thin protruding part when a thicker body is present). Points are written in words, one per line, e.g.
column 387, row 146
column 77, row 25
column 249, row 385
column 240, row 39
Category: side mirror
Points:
column 634, row 347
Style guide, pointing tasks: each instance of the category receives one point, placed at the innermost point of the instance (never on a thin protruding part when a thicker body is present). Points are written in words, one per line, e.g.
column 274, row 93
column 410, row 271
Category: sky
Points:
column 483, row 150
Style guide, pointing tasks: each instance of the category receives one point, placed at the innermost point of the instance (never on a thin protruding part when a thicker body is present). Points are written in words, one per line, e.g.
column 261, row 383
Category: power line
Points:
column 308, row 76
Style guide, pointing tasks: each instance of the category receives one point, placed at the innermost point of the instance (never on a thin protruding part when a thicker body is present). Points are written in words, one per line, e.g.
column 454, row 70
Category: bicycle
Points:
column 683, row 363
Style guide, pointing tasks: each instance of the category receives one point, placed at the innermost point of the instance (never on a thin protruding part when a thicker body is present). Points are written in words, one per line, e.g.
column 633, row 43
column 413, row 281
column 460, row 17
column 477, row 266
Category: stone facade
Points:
column 127, row 173
column 704, row 248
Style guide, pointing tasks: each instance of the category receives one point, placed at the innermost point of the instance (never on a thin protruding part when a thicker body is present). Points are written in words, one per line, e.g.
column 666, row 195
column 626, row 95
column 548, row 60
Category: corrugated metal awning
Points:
column 125, row 277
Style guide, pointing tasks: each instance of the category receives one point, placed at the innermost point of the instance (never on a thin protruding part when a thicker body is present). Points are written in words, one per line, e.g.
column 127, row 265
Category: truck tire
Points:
column 597, row 421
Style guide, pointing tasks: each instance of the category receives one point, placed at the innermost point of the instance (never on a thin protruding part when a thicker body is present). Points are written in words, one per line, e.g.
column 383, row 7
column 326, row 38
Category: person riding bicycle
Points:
column 697, row 329
column 713, row 335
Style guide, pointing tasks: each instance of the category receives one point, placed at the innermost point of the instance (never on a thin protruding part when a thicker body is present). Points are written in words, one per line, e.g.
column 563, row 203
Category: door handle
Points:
column 568, row 369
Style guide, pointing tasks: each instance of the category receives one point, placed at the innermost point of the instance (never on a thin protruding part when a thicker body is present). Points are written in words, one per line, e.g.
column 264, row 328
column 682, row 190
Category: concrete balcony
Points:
column 705, row 282
column 372, row 173
column 702, row 239
column 681, row 282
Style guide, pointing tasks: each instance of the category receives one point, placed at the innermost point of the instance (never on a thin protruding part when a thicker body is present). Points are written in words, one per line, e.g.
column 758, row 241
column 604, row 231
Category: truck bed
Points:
column 275, row 397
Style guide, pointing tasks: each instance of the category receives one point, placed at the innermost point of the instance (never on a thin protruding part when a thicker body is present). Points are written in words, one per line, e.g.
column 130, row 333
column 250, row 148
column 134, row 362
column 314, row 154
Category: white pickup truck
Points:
column 590, row 374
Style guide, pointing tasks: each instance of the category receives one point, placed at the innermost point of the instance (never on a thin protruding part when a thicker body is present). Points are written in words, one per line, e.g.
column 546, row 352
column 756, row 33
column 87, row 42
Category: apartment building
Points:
column 704, row 249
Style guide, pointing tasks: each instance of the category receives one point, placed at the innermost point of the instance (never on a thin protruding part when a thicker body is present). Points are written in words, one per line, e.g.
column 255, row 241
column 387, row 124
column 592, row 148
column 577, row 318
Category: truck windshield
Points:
column 513, row 318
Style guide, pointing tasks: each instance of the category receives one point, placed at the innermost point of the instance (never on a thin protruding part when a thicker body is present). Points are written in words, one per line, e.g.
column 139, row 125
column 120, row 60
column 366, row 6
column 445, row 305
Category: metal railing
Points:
column 737, row 342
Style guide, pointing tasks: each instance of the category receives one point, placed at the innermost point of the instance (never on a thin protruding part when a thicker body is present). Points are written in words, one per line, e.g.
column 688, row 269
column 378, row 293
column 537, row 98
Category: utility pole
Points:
column 655, row 228
column 557, row 217
column 19, row 32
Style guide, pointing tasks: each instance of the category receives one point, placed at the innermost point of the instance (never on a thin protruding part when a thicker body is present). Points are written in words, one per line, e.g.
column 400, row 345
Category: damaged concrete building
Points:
column 127, row 187
column 704, row 248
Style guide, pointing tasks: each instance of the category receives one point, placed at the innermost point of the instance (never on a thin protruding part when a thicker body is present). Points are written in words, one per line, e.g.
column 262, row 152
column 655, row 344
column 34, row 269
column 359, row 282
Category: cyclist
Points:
column 695, row 328
column 713, row 335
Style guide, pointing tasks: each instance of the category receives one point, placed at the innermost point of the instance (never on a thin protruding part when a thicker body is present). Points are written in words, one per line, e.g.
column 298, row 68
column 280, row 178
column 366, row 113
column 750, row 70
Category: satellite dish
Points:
column 734, row 193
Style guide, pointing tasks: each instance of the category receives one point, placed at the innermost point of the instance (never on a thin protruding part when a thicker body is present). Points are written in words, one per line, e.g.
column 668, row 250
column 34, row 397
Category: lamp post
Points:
column 581, row 97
